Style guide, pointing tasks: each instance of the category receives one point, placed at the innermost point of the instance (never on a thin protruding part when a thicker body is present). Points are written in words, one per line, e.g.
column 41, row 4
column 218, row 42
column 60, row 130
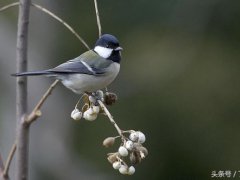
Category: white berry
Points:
column 123, row 151
column 116, row 165
column 76, row 114
column 129, row 145
column 134, row 136
column 89, row 111
column 89, row 117
column 141, row 137
column 96, row 109
column 123, row 169
column 131, row 170
column 92, row 99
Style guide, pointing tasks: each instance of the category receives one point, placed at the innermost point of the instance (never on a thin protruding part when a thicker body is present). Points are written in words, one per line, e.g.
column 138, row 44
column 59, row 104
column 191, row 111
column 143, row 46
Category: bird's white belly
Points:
column 80, row 83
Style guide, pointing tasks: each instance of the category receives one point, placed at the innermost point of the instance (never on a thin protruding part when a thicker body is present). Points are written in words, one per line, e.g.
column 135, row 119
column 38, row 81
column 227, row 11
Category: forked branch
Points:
column 30, row 119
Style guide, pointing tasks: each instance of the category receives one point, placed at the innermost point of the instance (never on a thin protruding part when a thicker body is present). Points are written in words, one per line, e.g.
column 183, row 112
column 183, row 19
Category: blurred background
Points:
column 179, row 84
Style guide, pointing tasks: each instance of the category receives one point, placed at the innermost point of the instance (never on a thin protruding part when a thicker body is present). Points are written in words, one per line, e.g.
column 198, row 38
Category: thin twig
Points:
column 98, row 24
column 9, row 6
column 110, row 118
column 9, row 160
column 31, row 117
column 61, row 21
column 53, row 16
column 98, row 18
column 36, row 111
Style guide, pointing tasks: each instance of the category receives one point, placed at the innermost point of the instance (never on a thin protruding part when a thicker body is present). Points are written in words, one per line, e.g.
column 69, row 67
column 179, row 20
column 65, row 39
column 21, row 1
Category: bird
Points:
column 93, row 70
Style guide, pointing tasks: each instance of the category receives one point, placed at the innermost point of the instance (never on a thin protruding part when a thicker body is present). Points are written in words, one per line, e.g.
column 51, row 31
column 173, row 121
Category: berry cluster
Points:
column 132, row 147
column 91, row 108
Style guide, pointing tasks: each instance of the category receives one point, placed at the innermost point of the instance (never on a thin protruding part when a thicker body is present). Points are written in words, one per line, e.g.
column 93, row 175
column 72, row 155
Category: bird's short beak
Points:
column 118, row 49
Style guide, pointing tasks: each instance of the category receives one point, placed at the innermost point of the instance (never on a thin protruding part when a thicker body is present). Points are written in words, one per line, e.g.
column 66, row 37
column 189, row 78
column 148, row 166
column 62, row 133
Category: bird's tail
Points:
column 33, row 73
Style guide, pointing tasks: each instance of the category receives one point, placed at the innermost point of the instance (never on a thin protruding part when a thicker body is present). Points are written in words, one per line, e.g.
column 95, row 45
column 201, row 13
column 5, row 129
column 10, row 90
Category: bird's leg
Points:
column 97, row 97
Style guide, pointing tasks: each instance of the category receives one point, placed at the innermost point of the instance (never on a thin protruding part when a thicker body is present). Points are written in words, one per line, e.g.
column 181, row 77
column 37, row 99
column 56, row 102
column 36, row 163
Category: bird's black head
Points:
column 107, row 41
column 108, row 47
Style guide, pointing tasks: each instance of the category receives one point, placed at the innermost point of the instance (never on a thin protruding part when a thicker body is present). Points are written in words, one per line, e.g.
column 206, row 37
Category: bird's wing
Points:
column 87, row 63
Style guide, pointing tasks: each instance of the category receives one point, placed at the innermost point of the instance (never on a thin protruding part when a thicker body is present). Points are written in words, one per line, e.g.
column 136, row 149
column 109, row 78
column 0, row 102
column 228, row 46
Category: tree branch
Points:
column 9, row 6
column 98, row 19
column 9, row 160
column 31, row 118
column 21, row 91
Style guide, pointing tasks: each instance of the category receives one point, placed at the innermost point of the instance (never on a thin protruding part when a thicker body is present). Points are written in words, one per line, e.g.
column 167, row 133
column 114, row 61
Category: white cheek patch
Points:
column 103, row 52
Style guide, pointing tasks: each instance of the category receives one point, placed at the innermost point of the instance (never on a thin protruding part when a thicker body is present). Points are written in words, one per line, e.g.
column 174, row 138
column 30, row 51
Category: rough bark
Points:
column 21, row 92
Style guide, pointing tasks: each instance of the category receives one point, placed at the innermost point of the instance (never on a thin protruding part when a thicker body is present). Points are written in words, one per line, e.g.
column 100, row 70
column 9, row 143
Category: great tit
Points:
column 89, row 72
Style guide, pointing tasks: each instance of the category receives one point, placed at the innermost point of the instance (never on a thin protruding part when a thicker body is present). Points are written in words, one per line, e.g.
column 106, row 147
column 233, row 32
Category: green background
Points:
column 179, row 84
